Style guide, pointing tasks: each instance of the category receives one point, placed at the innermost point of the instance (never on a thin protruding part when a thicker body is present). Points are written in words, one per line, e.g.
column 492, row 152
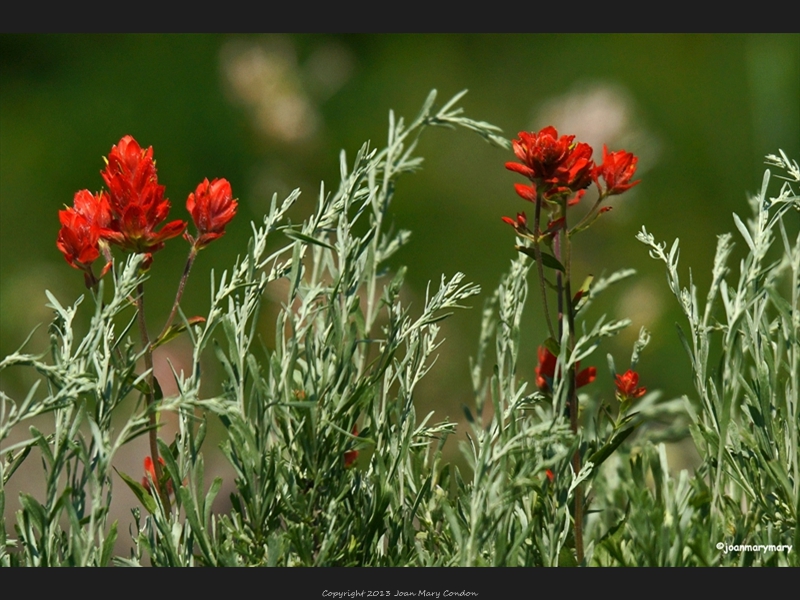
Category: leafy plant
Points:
column 333, row 465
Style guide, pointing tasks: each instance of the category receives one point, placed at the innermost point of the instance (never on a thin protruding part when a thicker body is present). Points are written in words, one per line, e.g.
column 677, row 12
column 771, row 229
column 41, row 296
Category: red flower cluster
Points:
column 558, row 166
column 554, row 163
column 137, row 201
column 520, row 224
column 626, row 386
column 130, row 213
column 546, row 371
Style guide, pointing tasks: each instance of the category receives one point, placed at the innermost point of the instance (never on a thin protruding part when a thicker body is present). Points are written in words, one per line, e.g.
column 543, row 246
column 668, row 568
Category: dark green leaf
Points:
column 138, row 490
column 548, row 260
column 603, row 453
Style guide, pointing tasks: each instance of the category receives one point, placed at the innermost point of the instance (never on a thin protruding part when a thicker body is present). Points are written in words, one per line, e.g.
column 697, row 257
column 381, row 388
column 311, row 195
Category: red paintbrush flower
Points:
column 82, row 227
column 626, row 386
column 617, row 169
column 546, row 371
column 136, row 200
column 212, row 207
column 557, row 164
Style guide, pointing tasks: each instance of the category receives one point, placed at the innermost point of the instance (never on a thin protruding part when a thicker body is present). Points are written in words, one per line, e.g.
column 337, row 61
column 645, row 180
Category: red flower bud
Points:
column 526, row 192
column 520, row 224
column 212, row 207
column 617, row 169
column 626, row 386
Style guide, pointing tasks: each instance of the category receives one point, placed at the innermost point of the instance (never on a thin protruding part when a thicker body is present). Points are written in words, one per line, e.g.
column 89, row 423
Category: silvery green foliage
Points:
column 339, row 377
column 516, row 509
column 86, row 382
column 745, row 356
column 510, row 514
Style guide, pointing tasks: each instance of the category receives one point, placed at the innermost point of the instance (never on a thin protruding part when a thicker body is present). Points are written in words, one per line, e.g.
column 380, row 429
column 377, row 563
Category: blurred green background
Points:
column 271, row 112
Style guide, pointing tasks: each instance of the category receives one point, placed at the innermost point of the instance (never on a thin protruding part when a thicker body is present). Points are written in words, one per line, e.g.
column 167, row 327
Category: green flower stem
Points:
column 572, row 393
column 148, row 365
column 589, row 217
column 537, row 234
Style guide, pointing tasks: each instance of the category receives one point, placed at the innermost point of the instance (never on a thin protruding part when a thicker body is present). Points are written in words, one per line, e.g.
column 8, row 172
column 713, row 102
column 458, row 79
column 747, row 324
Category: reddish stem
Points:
column 148, row 365
column 179, row 294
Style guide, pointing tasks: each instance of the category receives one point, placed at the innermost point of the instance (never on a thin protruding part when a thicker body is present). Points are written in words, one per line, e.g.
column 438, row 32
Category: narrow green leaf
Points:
column 34, row 510
column 685, row 343
column 603, row 453
column 548, row 260
column 201, row 535
column 612, row 367
column 450, row 103
column 426, row 107
column 138, row 490
column 743, row 230
column 108, row 546
column 14, row 461
column 209, row 501
column 176, row 329
column 296, row 235
column 616, row 527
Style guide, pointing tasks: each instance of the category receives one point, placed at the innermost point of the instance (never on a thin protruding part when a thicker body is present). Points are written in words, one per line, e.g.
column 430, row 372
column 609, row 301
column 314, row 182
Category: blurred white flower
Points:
column 266, row 77
column 600, row 113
